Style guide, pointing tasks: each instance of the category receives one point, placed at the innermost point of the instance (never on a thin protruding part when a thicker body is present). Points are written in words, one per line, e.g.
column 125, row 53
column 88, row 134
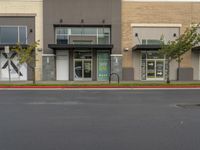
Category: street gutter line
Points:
column 93, row 89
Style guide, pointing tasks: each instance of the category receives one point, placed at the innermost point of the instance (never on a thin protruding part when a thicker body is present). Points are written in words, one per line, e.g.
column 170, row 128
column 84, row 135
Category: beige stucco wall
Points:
column 29, row 8
column 184, row 13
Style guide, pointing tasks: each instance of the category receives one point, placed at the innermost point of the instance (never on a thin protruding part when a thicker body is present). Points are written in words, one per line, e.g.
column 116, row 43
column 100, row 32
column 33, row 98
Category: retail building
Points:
column 82, row 39
column 143, row 25
column 20, row 22
column 87, row 40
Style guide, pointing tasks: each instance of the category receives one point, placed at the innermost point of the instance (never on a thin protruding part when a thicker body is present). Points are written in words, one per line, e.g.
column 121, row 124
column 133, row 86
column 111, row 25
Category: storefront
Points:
column 80, row 45
column 145, row 23
column 153, row 66
column 148, row 64
column 10, row 34
column 82, row 62
column 82, row 53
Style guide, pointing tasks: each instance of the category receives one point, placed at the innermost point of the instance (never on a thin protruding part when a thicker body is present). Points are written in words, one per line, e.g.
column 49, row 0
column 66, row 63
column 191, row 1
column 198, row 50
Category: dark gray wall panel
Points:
column 116, row 65
column 127, row 74
column 94, row 66
column 185, row 74
column 49, row 68
column 71, row 66
column 92, row 11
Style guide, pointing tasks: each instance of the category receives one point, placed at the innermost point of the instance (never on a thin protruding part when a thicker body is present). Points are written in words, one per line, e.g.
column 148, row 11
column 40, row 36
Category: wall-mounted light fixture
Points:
column 82, row 27
column 136, row 34
column 39, row 49
column 174, row 34
column 103, row 22
column 61, row 21
column 126, row 49
column 82, row 20
column 30, row 30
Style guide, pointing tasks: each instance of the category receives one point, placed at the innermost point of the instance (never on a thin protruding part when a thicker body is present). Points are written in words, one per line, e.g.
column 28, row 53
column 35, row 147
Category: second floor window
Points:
column 13, row 34
column 151, row 42
column 82, row 35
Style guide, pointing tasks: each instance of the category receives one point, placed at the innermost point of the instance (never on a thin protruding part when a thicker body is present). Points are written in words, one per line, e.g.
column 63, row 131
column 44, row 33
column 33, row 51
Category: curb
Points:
column 99, row 87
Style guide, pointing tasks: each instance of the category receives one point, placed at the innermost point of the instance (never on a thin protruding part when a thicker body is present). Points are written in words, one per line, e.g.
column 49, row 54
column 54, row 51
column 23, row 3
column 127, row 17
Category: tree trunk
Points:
column 33, row 75
column 34, row 64
column 179, row 65
column 168, row 72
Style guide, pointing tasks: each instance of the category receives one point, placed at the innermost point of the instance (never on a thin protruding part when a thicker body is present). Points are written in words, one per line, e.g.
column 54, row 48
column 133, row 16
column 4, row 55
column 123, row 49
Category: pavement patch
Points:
column 189, row 106
column 53, row 103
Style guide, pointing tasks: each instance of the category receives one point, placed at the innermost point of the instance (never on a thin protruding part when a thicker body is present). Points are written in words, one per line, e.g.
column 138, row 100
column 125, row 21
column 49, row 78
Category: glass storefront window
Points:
column 62, row 39
column 83, row 54
column 153, row 66
column 76, row 31
column 154, row 55
column 103, row 40
column 84, row 31
column 103, row 31
column 103, row 66
column 82, row 65
column 65, row 34
column 13, row 34
column 82, row 42
column 151, row 41
column 22, row 35
column 9, row 35
column 143, row 69
column 61, row 30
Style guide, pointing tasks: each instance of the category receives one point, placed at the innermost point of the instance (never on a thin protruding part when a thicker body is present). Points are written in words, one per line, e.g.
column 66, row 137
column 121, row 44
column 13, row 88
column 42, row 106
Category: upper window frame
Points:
column 18, row 33
column 69, row 33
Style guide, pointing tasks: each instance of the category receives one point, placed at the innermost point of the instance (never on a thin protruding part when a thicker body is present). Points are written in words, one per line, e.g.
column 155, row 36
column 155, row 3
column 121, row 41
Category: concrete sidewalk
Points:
column 96, row 82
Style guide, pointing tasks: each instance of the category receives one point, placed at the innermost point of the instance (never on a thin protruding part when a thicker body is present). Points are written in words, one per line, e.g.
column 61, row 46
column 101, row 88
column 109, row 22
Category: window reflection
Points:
column 13, row 34
column 64, row 35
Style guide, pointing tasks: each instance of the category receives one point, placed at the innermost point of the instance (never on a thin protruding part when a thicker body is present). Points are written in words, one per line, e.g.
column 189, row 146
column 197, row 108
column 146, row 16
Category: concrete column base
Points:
column 49, row 69
column 116, row 64
column 185, row 74
column 127, row 74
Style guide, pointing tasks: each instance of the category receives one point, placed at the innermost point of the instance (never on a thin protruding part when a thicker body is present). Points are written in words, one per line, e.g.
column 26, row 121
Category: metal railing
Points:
column 110, row 77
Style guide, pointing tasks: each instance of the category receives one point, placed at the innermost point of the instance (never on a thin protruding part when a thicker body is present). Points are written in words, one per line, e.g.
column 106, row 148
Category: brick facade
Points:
column 184, row 13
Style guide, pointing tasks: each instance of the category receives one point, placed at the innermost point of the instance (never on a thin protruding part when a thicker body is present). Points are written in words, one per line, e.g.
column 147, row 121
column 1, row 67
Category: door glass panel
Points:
column 103, row 67
column 78, row 69
column 150, row 69
column 154, row 55
column 83, row 55
column 159, row 69
column 87, row 69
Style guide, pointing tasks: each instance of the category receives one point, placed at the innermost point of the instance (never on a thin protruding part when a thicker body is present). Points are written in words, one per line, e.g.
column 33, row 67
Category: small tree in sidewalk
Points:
column 27, row 55
column 174, row 50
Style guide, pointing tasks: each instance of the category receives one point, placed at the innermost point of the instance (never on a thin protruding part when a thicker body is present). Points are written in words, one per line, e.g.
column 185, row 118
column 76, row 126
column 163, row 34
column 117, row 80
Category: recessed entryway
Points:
column 83, row 65
column 153, row 66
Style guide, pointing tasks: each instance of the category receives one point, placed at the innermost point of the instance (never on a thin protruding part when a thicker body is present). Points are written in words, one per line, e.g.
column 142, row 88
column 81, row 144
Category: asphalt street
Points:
column 99, row 120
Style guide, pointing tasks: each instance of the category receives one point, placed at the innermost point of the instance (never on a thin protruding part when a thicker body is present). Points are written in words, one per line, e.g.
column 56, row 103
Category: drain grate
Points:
column 189, row 106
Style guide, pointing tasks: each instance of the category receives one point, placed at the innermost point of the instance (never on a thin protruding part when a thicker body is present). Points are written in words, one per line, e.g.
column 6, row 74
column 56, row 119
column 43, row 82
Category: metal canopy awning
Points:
column 2, row 46
column 144, row 47
column 196, row 49
column 80, row 47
